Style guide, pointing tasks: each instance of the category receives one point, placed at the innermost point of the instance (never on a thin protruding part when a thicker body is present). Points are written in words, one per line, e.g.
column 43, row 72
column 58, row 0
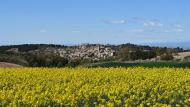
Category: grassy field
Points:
column 171, row 64
column 110, row 87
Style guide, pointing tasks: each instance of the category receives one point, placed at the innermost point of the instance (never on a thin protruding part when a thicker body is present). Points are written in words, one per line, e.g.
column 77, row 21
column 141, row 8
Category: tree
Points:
column 48, row 60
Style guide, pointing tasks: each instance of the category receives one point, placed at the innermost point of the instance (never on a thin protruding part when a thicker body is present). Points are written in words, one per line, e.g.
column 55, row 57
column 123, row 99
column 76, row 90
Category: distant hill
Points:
column 28, row 47
column 52, row 55
column 184, row 45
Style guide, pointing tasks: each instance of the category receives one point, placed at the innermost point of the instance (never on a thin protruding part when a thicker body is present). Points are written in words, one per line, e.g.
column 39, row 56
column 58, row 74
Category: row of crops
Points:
column 95, row 87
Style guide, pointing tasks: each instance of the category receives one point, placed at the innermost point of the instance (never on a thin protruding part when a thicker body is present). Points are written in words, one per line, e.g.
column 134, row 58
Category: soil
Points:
column 5, row 64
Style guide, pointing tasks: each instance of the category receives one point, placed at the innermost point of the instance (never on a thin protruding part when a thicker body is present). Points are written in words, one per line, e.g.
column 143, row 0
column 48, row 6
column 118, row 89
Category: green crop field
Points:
column 170, row 64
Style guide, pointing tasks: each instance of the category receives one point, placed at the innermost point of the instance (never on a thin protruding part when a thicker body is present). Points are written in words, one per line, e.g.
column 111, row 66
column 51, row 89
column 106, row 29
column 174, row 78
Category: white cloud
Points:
column 167, row 31
column 147, row 22
column 178, row 26
column 75, row 31
column 116, row 21
column 175, row 28
column 137, row 30
column 43, row 31
column 143, row 21
column 138, row 19
column 152, row 24
column 178, row 30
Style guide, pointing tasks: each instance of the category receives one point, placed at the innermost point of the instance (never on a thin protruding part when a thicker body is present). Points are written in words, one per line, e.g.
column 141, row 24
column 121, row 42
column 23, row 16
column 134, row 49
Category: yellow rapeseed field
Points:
column 92, row 87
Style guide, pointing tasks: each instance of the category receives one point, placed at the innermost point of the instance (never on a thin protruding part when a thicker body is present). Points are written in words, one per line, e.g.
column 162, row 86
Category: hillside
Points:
column 184, row 54
column 50, row 55
column 5, row 64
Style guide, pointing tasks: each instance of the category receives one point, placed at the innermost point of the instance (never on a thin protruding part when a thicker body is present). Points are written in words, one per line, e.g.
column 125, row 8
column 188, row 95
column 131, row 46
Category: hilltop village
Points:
column 85, row 51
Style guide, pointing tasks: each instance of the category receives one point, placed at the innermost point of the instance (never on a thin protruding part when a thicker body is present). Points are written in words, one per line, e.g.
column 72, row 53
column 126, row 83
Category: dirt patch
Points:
column 184, row 54
column 5, row 64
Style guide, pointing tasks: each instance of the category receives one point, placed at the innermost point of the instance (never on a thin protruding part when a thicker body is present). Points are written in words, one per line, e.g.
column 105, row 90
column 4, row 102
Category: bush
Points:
column 166, row 57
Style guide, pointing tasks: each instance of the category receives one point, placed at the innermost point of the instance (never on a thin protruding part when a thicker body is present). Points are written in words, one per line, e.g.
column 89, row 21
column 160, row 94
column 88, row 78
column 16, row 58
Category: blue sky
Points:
column 94, row 21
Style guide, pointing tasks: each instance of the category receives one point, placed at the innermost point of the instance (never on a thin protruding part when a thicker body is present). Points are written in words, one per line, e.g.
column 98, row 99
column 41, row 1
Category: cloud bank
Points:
column 116, row 21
